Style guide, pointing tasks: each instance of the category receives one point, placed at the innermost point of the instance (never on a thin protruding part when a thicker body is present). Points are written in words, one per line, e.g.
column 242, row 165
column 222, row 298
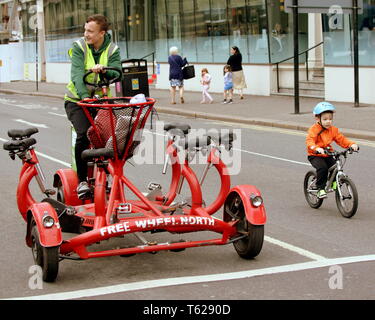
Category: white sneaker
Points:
column 83, row 189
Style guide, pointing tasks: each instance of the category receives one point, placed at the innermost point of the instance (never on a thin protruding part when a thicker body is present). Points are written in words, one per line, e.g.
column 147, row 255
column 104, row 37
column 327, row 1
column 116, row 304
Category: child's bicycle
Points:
column 338, row 182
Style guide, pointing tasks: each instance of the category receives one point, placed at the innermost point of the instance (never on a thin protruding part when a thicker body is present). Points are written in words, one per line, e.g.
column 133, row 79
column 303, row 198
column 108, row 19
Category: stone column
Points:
column 315, row 36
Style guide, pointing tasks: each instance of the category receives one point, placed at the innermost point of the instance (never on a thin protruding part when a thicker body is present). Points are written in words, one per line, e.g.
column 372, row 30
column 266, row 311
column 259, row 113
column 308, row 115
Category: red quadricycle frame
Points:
column 112, row 212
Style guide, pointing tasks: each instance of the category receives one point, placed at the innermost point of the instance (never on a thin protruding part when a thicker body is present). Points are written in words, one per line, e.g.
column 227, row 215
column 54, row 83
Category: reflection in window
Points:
column 257, row 32
column 366, row 37
column 161, row 44
column 138, row 28
column 174, row 24
column 337, row 40
column 188, row 39
column 281, row 32
column 204, row 31
column 219, row 24
column 338, row 37
column 238, row 27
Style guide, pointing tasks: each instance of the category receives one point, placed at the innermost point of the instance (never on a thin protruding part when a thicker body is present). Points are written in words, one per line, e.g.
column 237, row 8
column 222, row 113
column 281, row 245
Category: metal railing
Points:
column 152, row 54
column 306, row 52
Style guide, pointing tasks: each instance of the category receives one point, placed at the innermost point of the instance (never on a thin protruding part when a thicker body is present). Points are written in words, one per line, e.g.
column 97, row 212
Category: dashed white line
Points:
column 66, row 164
column 273, row 157
column 39, row 125
column 57, row 114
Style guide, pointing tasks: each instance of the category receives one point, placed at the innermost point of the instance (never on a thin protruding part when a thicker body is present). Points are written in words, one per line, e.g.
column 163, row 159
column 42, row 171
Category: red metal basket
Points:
column 116, row 117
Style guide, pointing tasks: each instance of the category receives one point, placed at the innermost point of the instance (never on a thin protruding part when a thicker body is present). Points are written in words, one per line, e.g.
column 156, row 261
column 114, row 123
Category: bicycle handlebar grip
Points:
column 195, row 142
column 222, row 138
column 177, row 128
column 103, row 80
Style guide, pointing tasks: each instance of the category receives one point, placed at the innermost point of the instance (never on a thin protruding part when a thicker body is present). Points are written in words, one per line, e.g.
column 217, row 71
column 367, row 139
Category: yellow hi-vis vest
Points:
column 71, row 91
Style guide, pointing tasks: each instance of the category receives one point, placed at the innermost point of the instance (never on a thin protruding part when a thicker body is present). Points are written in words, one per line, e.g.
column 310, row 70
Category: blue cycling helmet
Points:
column 323, row 107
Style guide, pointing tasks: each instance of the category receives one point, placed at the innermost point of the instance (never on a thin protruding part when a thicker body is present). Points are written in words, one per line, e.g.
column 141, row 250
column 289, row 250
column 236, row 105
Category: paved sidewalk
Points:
column 275, row 111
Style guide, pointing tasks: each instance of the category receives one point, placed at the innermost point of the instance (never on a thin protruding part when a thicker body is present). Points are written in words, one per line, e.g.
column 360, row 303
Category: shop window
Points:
column 281, row 32
column 204, row 30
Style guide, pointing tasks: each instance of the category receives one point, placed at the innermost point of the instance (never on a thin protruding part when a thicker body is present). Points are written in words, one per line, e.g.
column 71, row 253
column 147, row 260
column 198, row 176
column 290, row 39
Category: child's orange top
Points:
column 319, row 137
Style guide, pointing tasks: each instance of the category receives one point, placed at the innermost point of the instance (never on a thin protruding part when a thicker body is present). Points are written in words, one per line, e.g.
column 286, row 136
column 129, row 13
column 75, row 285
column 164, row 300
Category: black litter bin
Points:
column 134, row 78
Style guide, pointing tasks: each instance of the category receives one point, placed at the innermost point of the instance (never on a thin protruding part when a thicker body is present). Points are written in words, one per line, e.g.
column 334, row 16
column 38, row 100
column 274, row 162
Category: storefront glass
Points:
column 337, row 31
column 281, row 32
column 203, row 30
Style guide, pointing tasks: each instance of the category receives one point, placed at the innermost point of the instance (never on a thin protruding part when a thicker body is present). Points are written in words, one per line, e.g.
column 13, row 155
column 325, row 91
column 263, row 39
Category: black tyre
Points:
column 60, row 192
column 46, row 258
column 309, row 184
column 249, row 246
column 348, row 203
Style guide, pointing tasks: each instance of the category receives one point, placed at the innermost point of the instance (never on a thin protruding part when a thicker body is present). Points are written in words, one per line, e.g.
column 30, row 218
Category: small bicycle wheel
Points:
column 347, row 203
column 309, row 184
column 249, row 246
column 45, row 257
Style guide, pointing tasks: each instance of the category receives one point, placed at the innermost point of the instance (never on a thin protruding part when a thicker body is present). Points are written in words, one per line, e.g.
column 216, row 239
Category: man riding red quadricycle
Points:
column 110, row 210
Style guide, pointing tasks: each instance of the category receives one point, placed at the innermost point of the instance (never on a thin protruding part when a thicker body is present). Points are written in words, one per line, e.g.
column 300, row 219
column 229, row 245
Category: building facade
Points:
column 204, row 31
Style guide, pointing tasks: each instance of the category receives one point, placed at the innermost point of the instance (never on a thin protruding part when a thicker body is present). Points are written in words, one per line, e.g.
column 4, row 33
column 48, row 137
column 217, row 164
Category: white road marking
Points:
column 39, row 125
column 273, row 157
column 152, row 284
column 15, row 103
column 295, row 249
column 250, row 152
column 58, row 114
column 66, row 164
column 320, row 261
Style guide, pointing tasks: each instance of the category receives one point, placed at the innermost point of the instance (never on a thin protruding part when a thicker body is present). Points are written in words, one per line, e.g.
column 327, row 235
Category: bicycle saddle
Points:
column 15, row 145
column 91, row 154
column 20, row 134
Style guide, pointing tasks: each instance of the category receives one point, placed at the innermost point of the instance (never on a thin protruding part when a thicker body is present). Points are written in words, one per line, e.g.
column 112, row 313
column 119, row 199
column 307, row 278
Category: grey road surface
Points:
column 307, row 253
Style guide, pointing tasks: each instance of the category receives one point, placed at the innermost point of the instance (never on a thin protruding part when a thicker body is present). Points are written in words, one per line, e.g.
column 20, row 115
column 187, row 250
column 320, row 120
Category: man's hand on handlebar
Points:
column 98, row 68
column 319, row 150
column 354, row 147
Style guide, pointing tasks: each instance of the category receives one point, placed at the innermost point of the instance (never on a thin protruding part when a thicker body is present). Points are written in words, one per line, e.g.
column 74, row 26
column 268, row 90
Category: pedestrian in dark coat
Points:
column 176, row 78
column 235, row 61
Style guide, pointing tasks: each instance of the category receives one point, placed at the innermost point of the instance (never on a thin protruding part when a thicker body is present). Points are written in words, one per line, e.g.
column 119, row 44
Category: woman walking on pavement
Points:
column 175, row 74
column 235, row 61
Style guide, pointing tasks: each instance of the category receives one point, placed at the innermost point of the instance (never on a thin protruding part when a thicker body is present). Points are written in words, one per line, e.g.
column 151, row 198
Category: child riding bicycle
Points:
column 319, row 137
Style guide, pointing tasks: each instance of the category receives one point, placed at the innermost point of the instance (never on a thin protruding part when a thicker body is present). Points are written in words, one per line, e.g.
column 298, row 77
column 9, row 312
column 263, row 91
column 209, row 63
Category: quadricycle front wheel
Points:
column 47, row 258
column 251, row 236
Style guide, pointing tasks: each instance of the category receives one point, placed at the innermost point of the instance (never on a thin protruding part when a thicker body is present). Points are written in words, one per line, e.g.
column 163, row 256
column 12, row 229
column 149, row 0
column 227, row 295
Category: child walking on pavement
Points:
column 228, row 84
column 205, row 82
column 320, row 136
